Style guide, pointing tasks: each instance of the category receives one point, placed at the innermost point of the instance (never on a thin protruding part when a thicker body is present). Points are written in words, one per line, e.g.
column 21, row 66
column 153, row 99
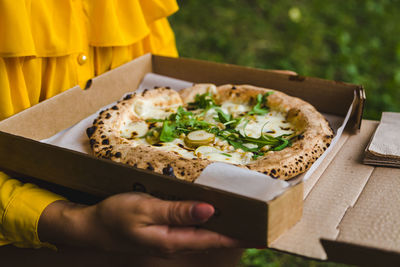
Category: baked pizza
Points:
column 180, row 133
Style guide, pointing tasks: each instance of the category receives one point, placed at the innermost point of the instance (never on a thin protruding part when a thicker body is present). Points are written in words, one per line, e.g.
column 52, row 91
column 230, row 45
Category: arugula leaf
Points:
column 222, row 116
column 260, row 108
column 283, row 145
column 204, row 101
column 226, row 154
column 167, row 132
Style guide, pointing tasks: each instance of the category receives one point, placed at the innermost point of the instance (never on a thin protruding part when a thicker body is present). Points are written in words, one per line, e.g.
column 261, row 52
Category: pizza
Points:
column 179, row 133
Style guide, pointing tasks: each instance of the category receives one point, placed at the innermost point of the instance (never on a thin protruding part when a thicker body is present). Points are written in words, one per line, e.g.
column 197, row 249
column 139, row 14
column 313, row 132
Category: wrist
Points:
column 62, row 222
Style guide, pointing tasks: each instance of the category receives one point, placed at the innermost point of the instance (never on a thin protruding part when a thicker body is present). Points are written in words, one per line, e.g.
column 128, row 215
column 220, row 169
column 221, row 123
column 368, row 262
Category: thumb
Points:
column 181, row 213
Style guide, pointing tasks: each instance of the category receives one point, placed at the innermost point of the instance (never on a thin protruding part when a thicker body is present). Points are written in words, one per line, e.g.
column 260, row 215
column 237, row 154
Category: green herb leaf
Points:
column 284, row 144
column 167, row 132
column 260, row 108
column 222, row 116
column 204, row 101
column 226, row 154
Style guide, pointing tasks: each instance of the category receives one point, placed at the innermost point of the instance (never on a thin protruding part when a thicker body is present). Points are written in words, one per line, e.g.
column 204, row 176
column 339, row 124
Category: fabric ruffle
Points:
column 48, row 28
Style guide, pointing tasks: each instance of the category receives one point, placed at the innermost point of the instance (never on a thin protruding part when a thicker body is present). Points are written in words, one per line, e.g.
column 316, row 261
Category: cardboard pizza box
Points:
column 242, row 217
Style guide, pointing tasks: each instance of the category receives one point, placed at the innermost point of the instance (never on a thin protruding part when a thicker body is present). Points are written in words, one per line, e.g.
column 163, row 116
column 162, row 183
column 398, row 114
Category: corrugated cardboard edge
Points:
column 284, row 212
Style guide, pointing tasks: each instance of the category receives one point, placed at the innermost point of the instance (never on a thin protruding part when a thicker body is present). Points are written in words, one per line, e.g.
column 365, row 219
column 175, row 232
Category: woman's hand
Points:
column 133, row 222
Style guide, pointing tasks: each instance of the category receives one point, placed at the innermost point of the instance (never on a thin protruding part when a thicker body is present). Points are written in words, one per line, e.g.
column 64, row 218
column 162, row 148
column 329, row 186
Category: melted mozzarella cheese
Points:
column 131, row 129
column 273, row 123
column 178, row 146
column 147, row 110
column 223, row 155
column 234, row 109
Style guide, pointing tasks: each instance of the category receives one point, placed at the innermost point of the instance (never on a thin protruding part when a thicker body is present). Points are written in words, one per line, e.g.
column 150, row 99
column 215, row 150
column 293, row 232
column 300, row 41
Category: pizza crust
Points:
column 106, row 140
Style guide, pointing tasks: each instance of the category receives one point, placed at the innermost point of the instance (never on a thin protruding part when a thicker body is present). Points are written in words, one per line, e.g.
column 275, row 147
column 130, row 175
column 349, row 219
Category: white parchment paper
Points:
column 218, row 175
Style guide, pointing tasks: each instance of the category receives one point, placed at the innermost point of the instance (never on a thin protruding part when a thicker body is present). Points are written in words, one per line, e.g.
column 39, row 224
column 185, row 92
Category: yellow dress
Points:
column 48, row 46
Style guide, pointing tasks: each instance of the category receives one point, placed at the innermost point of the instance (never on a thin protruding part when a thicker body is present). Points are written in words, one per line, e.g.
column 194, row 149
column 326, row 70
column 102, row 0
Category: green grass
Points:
column 352, row 41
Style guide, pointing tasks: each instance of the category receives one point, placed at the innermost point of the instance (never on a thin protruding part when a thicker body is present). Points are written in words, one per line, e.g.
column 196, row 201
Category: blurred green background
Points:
column 352, row 41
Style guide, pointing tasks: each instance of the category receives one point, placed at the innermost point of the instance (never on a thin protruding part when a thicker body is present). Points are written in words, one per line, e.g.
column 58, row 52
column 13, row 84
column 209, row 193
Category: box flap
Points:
column 335, row 192
column 97, row 94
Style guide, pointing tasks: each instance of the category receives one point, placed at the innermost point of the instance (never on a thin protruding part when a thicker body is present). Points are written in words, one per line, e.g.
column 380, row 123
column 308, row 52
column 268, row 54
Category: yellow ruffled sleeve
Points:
column 20, row 209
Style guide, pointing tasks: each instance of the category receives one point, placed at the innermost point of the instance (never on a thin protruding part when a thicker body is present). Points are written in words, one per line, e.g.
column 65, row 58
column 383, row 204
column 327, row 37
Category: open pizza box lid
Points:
column 265, row 222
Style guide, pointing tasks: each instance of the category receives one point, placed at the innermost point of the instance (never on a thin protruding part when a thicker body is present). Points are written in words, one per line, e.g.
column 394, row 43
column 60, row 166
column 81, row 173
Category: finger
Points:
column 289, row 72
column 179, row 213
column 182, row 239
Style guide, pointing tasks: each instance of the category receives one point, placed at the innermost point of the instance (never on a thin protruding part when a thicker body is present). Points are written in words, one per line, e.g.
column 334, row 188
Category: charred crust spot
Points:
column 273, row 171
column 273, row 175
column 167, row 87
column 183, row 173
column 92, row 142
column 135, row 165
column 103, row 136
column 114, row 108
column 300, row 136
column 117, row 155
column 108, row 115
column 265, row 172
column 101, row 122
column 95, row 120
column 101, row 112
column 233, row 87
column 90, row 131
column 128, row 96
column 108, row 152
column 155, row 87
column 328, row 144
column 168, row 170
column 105, row 142
column 157, row 144
column 145, row 91
column 150, row 167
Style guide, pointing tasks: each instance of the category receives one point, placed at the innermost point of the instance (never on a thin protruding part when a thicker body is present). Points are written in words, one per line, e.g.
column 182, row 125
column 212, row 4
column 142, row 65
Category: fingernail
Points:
column 201, row 212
